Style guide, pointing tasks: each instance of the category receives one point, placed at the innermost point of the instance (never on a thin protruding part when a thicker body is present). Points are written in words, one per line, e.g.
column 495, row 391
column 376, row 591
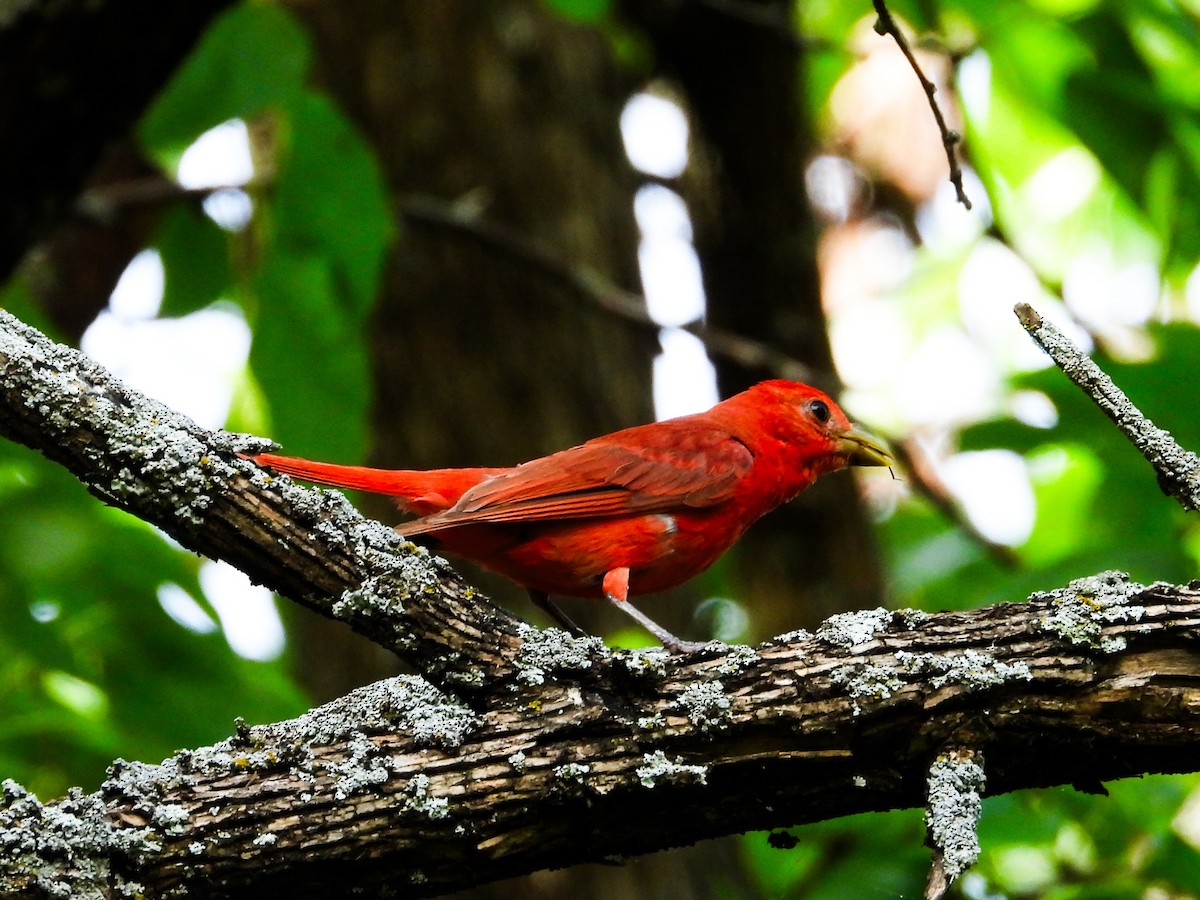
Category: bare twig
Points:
column 950, row 138
column 1178, row 469
column 607, row 296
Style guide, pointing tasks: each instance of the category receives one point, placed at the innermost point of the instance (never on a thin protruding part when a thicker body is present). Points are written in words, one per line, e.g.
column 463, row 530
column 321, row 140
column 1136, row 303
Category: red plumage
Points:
column 632, row 512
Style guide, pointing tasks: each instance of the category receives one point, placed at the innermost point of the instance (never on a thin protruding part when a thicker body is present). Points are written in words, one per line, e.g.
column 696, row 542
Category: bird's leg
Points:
column 542, row 601
column 616, row 589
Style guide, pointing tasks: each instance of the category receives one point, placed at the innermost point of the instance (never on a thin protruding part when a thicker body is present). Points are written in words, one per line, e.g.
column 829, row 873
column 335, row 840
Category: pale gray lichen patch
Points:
column 971, row 669
column 517, row 761
column 405, row 703
column 572, row 772
column 72, row 849
column 548, row 650
column 171, row 818
column 365, row 767
column 265, row 840
column 419, row 798
column 1086, row 605
column 854, row 628
column 738, row 659
column 706, row 705
column 800, row 634
column 868, row 682
column 953, row 808
column 656, row 768
column 911, row 617
column 645, row 661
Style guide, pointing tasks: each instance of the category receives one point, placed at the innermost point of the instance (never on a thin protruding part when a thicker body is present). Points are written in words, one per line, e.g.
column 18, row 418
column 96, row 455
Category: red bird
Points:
column 629, row 513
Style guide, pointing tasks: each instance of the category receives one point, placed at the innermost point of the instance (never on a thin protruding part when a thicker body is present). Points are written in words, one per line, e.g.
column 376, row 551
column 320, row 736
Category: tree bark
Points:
column 544, row 750
column 399, row 789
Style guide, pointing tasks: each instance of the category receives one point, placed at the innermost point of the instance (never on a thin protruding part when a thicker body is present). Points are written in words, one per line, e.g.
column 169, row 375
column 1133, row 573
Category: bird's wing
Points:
column 652, row 468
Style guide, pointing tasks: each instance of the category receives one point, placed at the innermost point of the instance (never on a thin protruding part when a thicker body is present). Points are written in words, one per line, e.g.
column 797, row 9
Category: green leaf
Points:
column 309, row 357
column 195, row 257
column 349, row 222
column 254, row 57
column 590, row 11
column 91, row 668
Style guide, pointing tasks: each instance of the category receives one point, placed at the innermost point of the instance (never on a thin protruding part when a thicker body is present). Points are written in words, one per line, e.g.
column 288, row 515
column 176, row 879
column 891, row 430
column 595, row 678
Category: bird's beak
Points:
column 863, row 449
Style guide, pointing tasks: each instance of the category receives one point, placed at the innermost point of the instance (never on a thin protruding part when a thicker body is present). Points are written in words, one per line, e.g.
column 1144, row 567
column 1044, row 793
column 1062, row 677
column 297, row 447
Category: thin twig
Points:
column 744, row 351
column 1178, row 469
column 950, row 138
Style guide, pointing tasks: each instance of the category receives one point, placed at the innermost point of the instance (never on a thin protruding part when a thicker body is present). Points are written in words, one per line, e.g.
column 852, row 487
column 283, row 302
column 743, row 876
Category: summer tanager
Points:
column 632, row 512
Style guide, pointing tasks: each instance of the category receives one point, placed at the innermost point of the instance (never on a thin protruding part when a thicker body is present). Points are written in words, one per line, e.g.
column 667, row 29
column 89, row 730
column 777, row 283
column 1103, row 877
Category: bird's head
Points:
column 805, row 417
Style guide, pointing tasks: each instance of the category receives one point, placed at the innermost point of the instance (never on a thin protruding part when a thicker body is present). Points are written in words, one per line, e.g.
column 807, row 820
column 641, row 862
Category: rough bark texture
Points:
column 76, row 75
column 399, row 790
column 548, row 750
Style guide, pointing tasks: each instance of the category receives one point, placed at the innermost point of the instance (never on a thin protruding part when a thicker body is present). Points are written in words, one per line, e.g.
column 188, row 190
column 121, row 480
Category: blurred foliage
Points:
column 1105, row 93
column 93, row 667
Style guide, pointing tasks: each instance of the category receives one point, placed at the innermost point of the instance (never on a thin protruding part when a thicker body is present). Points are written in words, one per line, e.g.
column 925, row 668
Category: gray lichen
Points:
column 854, row 628
column 419, row 799
column 572, row 772
column 953, row 809
column 68, row 850
column 800, row 634
column 739, row 658
column 868, row 682
column 706, row 705
column 404, row 703
column 650, row 661
column 1086, row 605
column 970, row 669
column 549, row 650
column 365, row 767
column 911, row 617
column 656, row 768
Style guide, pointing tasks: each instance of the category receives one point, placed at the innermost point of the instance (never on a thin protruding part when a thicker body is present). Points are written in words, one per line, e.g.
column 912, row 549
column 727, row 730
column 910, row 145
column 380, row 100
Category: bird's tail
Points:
column 416, row 491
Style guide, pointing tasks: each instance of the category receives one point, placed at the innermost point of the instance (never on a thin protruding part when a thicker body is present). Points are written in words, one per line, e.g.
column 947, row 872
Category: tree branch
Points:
column 1178, row 469
column 546, row 750
column 746, row 352
column 399, row 787
column 950, row 138
column 310, row 546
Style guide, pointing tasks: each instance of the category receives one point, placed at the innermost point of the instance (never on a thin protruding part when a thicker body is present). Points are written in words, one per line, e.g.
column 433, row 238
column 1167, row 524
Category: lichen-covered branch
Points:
column 311, row 546
column 399, row 788
column 953, row 807
column 1178, row 469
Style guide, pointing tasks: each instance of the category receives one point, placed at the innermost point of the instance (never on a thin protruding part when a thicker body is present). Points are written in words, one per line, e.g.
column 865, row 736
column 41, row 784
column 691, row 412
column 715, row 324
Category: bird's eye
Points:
column 819, row 410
